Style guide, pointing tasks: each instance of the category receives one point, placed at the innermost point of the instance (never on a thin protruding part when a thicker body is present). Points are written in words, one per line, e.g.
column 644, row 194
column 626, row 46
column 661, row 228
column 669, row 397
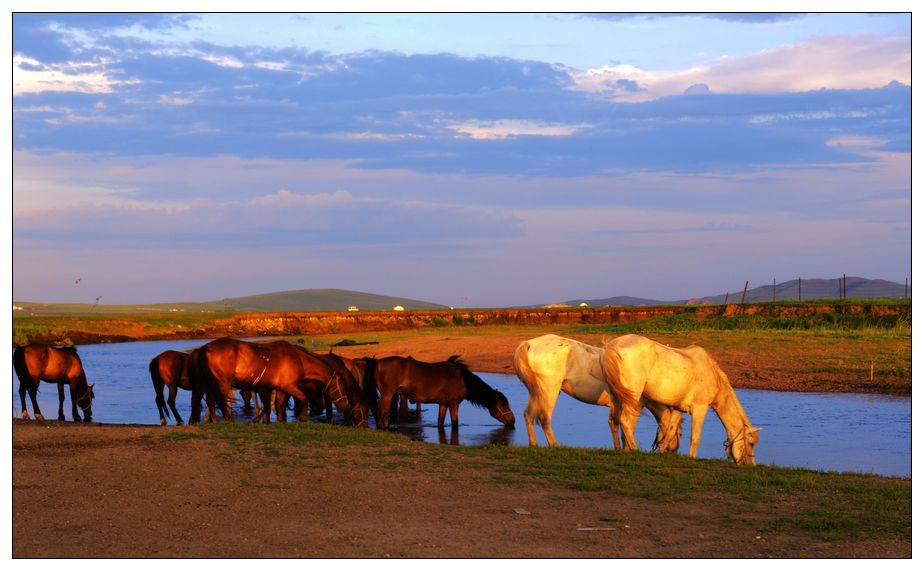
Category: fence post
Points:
column 726, row 298
column 745, row 292
column 800, row 288
column 774, row 289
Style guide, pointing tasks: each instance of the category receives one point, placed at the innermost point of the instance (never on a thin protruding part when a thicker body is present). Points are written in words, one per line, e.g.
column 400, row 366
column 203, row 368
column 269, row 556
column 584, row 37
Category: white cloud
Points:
column 32, row 76
column 831, row 62
column 505, row 128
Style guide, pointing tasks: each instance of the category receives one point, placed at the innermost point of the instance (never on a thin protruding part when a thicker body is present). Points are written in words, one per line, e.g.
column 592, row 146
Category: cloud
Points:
column 31, row 76
column 504, row 128
column 738, row 17
column 832, row 62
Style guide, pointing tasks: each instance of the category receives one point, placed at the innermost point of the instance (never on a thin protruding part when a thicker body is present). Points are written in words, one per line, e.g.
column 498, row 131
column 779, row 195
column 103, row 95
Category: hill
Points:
column 296, row 300
column 816, row 288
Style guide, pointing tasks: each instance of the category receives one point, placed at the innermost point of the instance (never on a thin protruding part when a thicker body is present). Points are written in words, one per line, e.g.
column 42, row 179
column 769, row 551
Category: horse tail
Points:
column 158, row 382
column 370, row 391
column 200, row 374
column 19, row 363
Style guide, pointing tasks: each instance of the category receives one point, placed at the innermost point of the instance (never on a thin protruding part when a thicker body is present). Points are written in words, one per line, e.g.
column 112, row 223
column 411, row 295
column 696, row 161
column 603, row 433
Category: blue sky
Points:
column 471, row 160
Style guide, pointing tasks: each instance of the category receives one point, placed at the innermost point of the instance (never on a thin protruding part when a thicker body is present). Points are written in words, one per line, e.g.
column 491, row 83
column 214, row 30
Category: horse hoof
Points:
column 25, row 415
column 163, row 422
column 87, row 419
column 38, row 416
column 179, row 423
column 61, row 417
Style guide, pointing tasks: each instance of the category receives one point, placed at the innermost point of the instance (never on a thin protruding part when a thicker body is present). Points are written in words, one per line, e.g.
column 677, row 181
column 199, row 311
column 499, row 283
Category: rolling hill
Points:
column 296, row 300
column 811, row 289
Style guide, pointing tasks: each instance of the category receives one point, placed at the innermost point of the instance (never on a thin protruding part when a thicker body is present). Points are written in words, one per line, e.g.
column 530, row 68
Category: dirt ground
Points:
column 771, row 363
column 126, row 491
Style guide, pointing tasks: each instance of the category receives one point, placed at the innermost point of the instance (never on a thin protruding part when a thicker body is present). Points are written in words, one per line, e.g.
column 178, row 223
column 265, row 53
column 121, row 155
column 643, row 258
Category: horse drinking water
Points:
column 687, row 379
column 447, row 383
column 60, row 365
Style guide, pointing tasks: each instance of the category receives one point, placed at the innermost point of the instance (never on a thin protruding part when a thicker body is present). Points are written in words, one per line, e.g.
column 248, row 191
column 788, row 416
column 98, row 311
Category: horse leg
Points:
column 698, row 412
column 614, row 426
column 196, row 405
column 402, row 410
column 73, row 391
column 328, row 408
column 61, row 401
column 22, row 397
column 441, row 417
column 245, row 396
column 279, row 401
column 171, row 401
column 266, row 400
column 33, row 390
column 393, row 409
column 418, row 408
column 628, row 416
column 385, row 406
column 454, row 415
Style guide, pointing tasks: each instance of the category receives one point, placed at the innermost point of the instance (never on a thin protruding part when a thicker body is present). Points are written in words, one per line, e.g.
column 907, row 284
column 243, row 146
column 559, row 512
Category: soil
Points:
column 126, row 491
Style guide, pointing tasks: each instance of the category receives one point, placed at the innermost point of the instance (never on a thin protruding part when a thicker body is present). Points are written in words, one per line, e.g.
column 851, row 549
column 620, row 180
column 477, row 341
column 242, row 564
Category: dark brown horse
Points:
column 60, row 365
column 169, row 370
column 221, row 365
column 447, row 384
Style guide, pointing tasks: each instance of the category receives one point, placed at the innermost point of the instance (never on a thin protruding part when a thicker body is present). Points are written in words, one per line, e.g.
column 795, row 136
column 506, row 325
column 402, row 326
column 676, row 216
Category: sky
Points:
column 474, row 160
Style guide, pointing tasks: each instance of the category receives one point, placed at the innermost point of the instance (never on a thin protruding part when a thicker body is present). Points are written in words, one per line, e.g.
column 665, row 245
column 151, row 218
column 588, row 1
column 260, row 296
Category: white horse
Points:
column 688, row 379
column 550, row 364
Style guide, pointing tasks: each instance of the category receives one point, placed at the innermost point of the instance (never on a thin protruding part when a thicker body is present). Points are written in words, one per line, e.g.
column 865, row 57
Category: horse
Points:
column 687, row 379
column 36, row 362
column 550, row 364
column 218, row 366
column 447, row 383
column 169, row 369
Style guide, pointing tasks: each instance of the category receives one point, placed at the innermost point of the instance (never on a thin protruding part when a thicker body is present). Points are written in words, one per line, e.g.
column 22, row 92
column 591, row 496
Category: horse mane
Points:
column 477, row 391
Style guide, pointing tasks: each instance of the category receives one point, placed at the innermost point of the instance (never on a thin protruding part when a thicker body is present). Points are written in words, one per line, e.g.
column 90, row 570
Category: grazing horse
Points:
column 447, row 384
column 551, row 364
column 61, row 365
column 218, row 366
column 687, row 379
column 169, row 369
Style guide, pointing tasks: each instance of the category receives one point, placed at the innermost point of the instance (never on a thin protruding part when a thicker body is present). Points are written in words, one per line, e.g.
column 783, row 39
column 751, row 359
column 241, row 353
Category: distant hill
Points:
column 296, row 300
column 814, row 289
column 324, row 300
column 619, row 300
column 811, row 289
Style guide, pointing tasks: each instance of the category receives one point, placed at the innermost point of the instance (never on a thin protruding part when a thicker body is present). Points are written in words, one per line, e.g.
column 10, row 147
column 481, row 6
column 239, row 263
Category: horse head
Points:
column 741, row 448
column 85, row 402
column 501, row 410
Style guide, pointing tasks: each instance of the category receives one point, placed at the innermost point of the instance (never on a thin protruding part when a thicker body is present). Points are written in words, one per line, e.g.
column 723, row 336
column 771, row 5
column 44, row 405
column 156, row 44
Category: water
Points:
column 824, row 431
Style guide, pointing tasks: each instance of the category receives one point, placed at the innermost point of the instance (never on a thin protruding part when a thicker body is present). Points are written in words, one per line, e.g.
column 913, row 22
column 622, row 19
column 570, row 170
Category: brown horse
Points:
column 219, row 366
column 447, row 383
column 169, row 370
column 60, row 365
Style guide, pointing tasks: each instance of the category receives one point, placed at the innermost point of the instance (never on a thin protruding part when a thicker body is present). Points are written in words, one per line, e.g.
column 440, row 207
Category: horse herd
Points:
column 625, row 374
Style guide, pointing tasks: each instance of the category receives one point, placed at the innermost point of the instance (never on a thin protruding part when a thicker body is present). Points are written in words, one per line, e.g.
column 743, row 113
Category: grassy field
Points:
column 828, row 506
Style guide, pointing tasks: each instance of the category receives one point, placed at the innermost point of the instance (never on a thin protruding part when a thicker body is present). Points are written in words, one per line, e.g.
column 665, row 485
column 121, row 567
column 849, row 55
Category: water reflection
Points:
column 843, row 432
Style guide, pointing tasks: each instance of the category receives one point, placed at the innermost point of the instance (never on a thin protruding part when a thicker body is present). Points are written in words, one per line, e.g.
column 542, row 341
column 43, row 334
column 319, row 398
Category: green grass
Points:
column 829, row 506
column 772, row 318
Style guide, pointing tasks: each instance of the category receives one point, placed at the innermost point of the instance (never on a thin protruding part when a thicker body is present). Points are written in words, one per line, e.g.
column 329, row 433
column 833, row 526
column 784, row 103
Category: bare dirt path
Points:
column 127, row 491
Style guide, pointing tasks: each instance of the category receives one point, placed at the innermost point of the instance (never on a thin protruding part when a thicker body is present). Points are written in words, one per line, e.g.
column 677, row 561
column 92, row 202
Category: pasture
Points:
column 333, row 491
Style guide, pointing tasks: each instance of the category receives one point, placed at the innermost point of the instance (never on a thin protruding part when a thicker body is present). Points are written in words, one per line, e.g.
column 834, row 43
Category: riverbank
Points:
column 864, row 348
column 330, row 491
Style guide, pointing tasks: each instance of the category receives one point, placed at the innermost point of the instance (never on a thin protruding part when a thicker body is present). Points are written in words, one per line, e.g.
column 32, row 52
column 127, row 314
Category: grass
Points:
column 828, row 506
